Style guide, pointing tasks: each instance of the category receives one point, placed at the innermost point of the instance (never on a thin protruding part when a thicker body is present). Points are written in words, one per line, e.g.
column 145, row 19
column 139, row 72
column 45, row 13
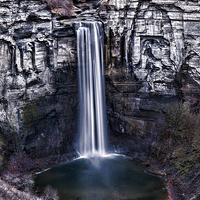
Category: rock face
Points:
column 151, row 58
column 38, row 74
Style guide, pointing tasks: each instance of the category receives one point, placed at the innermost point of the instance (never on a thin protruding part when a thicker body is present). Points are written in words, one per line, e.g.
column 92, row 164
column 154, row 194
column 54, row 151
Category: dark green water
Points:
column 110, row 178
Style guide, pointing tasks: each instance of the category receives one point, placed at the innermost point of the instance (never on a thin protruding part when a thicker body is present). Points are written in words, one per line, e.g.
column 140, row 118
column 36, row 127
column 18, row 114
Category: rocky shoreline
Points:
column 177, row 188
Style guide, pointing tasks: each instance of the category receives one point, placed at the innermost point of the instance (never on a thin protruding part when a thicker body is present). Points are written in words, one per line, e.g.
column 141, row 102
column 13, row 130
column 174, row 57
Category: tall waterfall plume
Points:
column 92, row 117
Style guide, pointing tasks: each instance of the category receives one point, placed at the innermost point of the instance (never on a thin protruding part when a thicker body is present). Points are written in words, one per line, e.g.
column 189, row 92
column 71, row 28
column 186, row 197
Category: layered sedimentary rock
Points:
column 152, row 58
column 38, row 74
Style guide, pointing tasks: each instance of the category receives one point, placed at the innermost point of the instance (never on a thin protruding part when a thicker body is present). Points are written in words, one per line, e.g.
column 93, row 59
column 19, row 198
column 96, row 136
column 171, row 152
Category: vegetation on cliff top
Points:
column 66, row 7
column 62, row 7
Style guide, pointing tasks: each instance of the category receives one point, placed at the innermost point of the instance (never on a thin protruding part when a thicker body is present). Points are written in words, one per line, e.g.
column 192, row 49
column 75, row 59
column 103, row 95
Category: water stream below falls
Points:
column 105, row 178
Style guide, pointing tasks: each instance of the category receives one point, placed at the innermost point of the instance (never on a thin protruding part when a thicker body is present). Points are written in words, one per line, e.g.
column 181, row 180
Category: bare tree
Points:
column 50, row 194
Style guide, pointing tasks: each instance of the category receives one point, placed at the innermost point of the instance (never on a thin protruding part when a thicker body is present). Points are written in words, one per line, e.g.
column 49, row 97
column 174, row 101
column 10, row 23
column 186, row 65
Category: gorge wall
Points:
column 152, row 57
column 38, row 70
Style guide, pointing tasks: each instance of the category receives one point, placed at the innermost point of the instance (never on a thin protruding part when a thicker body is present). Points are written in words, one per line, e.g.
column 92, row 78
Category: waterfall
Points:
column 92, row 117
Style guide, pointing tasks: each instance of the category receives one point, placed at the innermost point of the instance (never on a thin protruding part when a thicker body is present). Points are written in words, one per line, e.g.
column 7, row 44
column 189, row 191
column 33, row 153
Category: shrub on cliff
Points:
column 179, row 144
column 182, row 122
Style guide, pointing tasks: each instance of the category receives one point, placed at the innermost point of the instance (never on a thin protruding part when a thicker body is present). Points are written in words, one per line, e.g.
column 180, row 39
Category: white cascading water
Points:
column 92, row 121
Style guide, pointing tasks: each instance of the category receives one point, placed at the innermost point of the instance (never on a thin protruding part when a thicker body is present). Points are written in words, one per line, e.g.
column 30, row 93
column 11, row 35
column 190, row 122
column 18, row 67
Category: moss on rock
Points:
column 3, row 153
